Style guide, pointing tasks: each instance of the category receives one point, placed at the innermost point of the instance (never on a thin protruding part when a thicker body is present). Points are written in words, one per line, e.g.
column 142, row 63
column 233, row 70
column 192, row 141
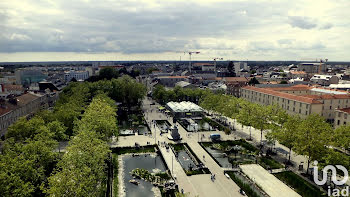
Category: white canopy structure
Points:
column 184, row 106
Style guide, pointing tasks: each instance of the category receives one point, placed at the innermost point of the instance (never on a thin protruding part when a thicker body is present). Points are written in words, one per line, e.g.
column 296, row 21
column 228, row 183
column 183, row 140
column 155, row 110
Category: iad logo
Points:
column 334, row 192
column 334, row 174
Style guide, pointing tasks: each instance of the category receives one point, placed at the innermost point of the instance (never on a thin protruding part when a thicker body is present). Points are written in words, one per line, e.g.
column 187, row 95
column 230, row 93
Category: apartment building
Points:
column 300, row 99
column 342, row 117
column 25, row 105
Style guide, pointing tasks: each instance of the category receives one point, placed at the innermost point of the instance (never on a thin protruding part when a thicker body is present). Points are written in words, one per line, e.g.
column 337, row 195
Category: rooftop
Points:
column 173, row 77
column 346, row 110
column 270, row 91
column 299, row 87
column 26, row 98
column 184, row 106
column 232, row 79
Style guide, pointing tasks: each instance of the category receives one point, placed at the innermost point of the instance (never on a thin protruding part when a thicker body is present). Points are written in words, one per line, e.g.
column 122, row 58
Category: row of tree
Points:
column 29, row 154
column 162, row 95
column 312, row 136
column 82, row 170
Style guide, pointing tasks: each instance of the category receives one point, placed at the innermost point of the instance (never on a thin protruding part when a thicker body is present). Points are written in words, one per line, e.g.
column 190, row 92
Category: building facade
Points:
column 300, row 100
column 26, row 105
column 78, row 75
column 342, row 117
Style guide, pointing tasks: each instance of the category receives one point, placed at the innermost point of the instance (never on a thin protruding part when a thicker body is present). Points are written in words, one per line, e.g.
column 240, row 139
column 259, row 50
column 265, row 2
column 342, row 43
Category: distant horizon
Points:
column 93, row 57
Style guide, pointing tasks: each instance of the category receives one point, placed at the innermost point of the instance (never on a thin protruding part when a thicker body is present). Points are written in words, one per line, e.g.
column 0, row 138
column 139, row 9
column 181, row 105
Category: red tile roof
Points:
column 292, row 88
column 283, row 95
column 329, row 96
column 6, row 107
column 346, row 110
column 26, row 98
column 10, row 87
column 298, row 72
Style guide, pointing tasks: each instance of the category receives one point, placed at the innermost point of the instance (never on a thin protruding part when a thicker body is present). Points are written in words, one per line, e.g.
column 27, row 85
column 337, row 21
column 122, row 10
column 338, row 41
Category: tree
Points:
column 283, row 82
column 286, row 133
column 25, row 166
column 260, row 118
column 341, row 137
column 58, row 129
column 82, row 170
column 245, row 115
column 253, row 81
column 312, row 137
column 100, row 117
column 108, row 73
column 23, row 128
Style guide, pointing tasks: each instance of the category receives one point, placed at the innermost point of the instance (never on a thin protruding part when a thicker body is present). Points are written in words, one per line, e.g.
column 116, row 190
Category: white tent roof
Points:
column 184, row 106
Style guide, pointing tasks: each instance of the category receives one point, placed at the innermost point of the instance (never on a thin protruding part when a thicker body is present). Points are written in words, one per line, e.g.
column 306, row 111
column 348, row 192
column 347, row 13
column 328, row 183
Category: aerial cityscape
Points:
column 143, row 98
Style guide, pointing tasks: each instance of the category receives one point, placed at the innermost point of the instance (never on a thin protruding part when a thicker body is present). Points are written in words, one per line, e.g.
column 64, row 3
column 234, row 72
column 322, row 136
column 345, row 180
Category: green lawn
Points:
column 115, row 174
column 269, row 163
column 301, row 186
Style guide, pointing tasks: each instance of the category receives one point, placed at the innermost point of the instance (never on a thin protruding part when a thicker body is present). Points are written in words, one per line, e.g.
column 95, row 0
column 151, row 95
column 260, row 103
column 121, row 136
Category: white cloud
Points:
column 261, row 29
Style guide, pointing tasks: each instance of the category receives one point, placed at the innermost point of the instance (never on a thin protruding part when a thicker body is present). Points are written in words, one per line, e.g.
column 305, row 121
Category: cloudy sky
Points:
column 55, row 30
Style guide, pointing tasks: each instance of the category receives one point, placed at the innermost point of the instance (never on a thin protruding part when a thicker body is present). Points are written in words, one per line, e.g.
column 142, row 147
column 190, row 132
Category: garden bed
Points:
column 250, row 189
column 188, row 160
column 300, row 185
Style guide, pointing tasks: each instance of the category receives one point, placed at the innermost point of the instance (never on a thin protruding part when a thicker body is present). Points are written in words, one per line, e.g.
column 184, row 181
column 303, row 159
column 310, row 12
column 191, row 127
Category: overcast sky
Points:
column 44, row 30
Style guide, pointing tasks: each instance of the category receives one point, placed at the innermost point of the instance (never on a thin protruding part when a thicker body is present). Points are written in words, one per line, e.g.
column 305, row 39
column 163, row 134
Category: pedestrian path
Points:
column 268, row 182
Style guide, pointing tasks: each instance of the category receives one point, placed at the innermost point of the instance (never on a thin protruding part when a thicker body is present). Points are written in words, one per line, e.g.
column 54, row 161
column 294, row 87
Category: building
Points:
column 340, row 86
column 233, row 84
column 184, row 109
column 185, row 84
column 342, row 117
column 25, row 105
column 240, row 66
column 294, row 74
column 29, row 76
column 324, row 80
column 312, row 67
column 300, row 100
column 78, row 75
column 8, row 89
column 170, row 81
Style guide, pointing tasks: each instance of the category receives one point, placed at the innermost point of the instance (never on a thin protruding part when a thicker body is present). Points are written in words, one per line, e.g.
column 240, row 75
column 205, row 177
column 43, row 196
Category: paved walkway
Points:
column 269, row 183
column 196, row 185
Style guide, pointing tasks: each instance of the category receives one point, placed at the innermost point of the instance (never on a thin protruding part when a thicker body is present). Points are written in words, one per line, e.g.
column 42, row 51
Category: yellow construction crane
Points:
column 190, row 63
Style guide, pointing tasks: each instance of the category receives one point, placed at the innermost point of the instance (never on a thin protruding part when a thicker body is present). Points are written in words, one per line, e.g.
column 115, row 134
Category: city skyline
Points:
column 155, row 30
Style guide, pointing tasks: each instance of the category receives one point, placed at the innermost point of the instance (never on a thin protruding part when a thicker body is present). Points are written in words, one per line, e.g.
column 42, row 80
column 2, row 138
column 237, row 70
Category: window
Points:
column 330, row 107
column 338, row 122
column 300, row 104
column 345, row 116
column 293, row 108
column 299, row 111
column 339, row 114
column 344, row 123
column 288, row 108
column 294, row 102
